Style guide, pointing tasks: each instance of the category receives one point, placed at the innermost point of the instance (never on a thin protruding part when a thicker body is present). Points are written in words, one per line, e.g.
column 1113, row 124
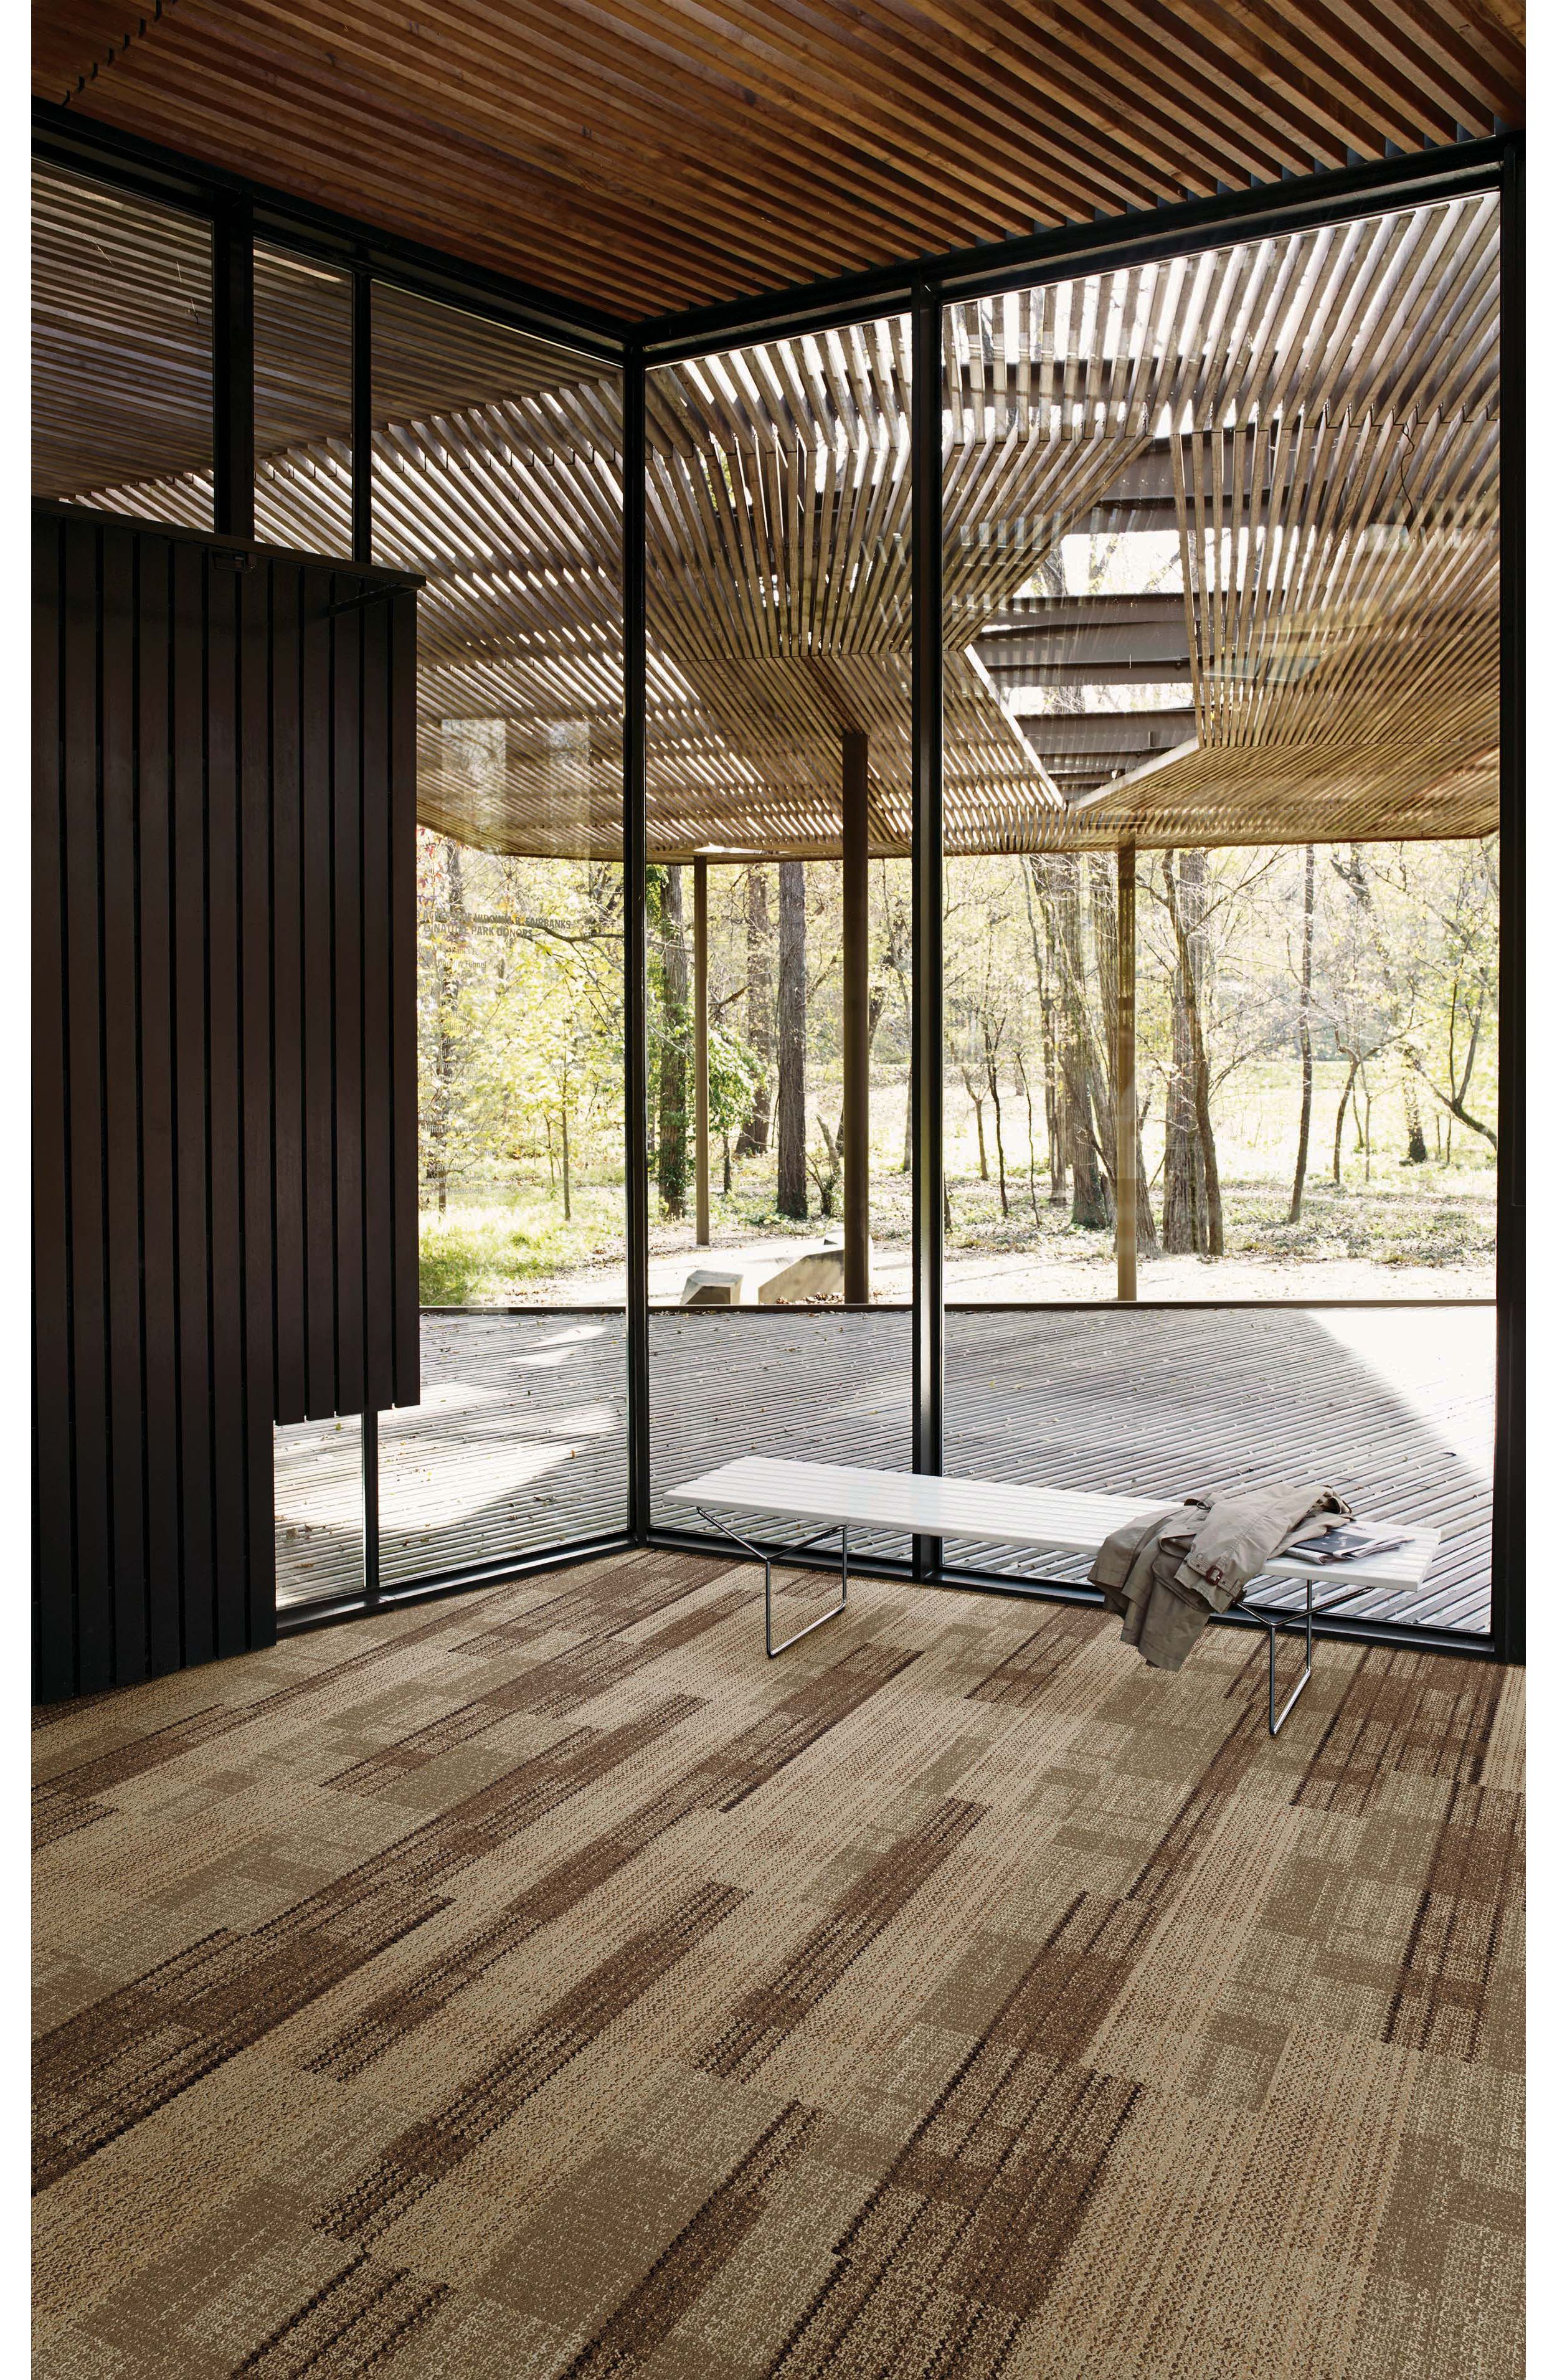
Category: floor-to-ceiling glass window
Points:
column 778, row 899
column 1221, row 878
column 497, row 474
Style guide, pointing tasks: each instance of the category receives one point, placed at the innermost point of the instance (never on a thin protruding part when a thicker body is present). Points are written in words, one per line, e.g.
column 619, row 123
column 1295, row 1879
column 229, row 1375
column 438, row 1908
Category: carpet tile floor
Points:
column 541, row 1982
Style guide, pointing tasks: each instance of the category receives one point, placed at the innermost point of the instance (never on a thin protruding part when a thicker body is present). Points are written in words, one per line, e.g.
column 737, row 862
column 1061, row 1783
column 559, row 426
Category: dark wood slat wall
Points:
column 223, row 1067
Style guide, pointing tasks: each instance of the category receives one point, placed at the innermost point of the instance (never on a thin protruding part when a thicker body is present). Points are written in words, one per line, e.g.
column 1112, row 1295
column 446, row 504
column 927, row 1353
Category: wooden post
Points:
column 856, row 1021
column 1124, row 1125
column 699, row 1032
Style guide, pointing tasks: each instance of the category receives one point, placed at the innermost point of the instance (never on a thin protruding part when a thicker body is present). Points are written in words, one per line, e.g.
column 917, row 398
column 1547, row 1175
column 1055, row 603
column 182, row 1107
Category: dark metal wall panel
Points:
column 225, row 1088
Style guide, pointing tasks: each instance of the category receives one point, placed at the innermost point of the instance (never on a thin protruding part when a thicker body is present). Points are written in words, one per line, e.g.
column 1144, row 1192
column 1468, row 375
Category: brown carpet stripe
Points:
column 554, row 1689
column 752, row 1758
column 1392, row 1717
column 770, row 2013
column 120, row 2059
column 422, row 2155
column 559, row 1990
column 351, row 2326
column 676, row 2281
column 1039, row 1659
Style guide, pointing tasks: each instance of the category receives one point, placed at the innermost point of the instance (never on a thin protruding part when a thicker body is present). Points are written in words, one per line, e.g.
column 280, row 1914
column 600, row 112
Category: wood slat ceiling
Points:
column 1306, row 425
column 645, row 156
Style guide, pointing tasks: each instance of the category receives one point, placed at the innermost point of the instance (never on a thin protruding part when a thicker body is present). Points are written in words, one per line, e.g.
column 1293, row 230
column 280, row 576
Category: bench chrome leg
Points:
column 1278, row 1719
column 766, row 1559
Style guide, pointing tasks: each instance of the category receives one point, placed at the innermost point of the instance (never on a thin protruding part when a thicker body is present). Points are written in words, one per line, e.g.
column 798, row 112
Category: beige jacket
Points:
column 1167, row 1572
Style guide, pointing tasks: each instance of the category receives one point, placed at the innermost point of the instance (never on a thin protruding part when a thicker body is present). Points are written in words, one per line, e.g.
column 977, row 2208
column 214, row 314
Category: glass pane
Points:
column 779, row 608
column 497, row 474
column 519, row 1441
column 1221, row 571
column 121, row 351
column 318, row 1519
column 1392, row 1406
column 302, row 401
column 805, row 1385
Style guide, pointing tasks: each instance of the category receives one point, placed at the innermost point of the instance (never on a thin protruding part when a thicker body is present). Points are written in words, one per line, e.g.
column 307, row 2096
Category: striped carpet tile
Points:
column 546, row 1984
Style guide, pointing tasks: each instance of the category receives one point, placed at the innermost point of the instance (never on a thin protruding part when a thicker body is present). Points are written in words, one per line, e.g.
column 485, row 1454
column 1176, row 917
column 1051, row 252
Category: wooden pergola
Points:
column 1312, row 419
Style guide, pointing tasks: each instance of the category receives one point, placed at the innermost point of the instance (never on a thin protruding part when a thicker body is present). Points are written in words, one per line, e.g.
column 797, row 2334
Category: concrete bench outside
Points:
column 1052, row 1520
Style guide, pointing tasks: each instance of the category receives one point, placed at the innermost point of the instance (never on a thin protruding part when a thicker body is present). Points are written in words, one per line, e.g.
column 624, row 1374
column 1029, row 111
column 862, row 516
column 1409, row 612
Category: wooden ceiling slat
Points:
column 658, row 157
column 1102, row 86
column 1358, row 90
column 645, row 156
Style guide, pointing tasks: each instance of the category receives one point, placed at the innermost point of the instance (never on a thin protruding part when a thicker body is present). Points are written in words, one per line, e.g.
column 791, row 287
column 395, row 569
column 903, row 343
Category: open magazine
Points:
column 1345, row 1541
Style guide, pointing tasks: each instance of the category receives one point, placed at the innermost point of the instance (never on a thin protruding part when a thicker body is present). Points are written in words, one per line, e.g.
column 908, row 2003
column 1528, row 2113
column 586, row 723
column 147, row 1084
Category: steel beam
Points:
column 1126, row 1189
column 928, row 730
column 699, row 1042
column 857, row 1020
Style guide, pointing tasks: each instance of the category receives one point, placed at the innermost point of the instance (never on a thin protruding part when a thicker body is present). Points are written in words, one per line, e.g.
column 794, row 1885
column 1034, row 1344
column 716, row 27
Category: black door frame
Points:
column 241, row 211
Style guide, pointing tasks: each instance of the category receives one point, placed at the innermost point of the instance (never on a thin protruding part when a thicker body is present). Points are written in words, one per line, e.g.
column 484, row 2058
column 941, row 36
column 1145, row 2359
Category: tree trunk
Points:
column 566, row 1171
column 792, row 1198
column 1191, row 1189
column 1105, row 937
column 1306, row 1037
column 753, row 1137
column 1045, row 966
column 445, row 1058
column 1000, row 1140
column 1091, row 1206
column 976, row 1102
column 1032, row 1151
column 1415, row 1138
column 672, row 1048
column 1341, row 1119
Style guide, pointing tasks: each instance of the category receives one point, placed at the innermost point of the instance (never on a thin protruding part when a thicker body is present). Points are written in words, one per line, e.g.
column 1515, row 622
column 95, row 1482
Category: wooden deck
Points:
column 520, row 1438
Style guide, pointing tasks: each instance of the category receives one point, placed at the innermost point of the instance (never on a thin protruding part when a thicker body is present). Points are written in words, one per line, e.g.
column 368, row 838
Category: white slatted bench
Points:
column 1052, row 1519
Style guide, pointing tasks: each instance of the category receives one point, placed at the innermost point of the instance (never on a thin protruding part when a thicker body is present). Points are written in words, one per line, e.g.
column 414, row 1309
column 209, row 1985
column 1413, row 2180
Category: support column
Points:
column 856, row 1021
column 928, row 1060
column 700, row 1038
column 1125, row 1123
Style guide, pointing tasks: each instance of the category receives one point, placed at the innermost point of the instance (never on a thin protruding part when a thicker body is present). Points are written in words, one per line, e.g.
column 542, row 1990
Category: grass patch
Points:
column 485, row 1255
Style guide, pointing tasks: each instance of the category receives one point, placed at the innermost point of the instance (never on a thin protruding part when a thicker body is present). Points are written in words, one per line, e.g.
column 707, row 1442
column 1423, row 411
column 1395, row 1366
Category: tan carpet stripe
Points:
column 554, row 1689
column 191, row 2015
column 351, row 2326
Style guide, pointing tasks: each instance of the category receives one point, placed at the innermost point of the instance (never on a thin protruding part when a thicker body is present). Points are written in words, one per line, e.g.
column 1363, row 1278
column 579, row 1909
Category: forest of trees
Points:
column 1314, row 1016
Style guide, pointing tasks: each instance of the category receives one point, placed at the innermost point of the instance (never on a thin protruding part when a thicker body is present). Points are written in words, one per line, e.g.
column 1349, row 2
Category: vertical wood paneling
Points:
column 256, row 920
column 224, row 1055
column 53, row 1532
column 286, row 988
column 378, row 1071
column 224, row 1145
column 158, row 1201
column 192, row 1081
column 87, row 1242
column 316, row 903
column 346, row 781
column 121, row 1131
